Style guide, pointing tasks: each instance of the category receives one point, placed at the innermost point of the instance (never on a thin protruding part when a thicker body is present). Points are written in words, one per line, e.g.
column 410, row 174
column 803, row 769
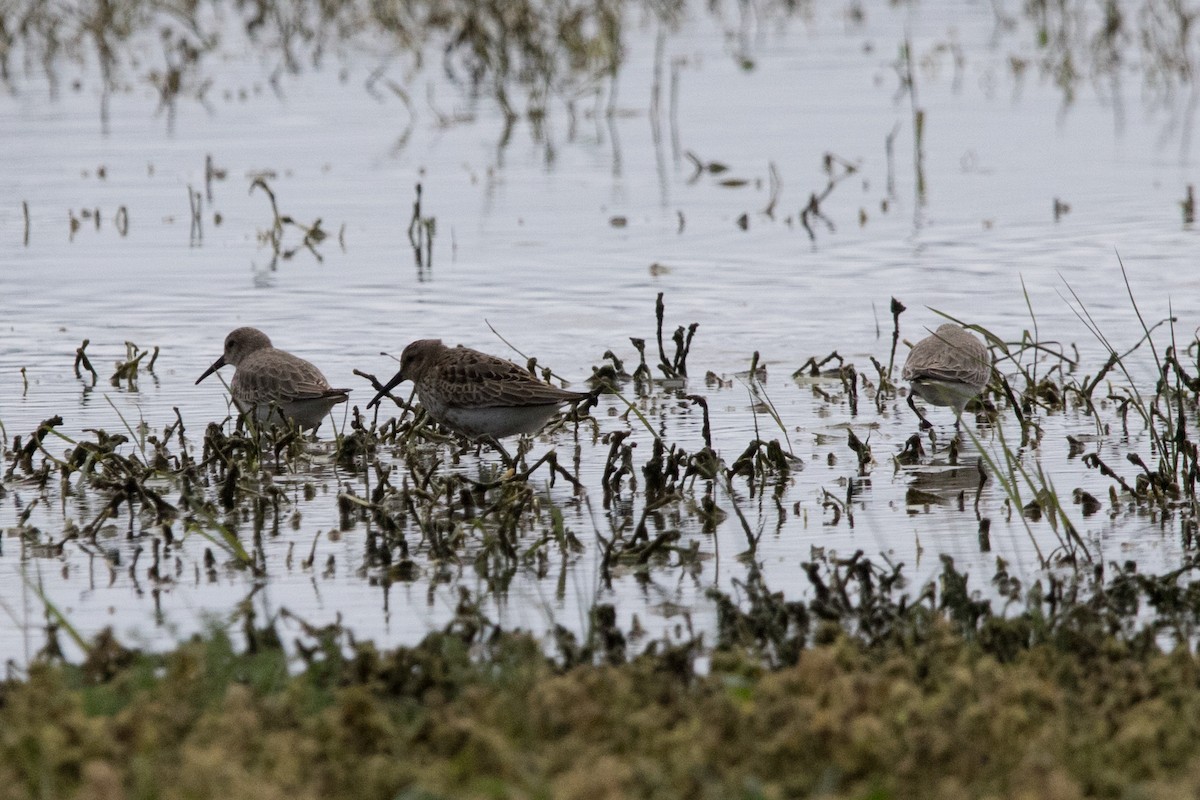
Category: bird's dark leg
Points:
column 509, row 461
column 925, row 424
column 524, row 447
column 958, row 412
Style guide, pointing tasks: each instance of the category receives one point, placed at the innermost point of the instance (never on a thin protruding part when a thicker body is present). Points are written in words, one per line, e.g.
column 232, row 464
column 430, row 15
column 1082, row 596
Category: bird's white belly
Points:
column 944, row 393
column 497, row 422
column 305, row 413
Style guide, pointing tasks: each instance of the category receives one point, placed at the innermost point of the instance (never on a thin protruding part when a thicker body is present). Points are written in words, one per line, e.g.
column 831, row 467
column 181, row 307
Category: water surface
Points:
column 528, row 240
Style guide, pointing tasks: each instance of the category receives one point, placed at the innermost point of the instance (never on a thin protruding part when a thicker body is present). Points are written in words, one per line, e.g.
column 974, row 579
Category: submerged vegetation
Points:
column 534, row 60
column 526, row 55
column 540, row 50
column 856, row 674
column 1074, row 679
column 854, row 694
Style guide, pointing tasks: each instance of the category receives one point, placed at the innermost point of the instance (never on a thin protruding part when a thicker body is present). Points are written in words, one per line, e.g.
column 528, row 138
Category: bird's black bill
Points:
column 396, row 380
column 216, row 365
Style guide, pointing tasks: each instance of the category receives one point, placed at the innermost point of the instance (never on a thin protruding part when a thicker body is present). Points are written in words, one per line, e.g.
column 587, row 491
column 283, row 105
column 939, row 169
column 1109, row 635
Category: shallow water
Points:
column 525, row 242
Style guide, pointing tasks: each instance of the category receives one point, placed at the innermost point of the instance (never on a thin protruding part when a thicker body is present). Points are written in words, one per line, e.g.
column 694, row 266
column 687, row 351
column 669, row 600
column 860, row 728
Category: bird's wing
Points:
column 281, row 378
column 483, row 381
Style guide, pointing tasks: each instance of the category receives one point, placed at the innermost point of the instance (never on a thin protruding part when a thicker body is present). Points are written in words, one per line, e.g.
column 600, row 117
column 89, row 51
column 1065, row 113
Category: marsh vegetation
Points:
column 744, row 570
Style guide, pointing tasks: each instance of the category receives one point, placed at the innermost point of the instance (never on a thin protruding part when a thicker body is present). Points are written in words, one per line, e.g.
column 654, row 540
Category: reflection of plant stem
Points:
column 776, row 185
column 918, row 117
column 838, row 169
column 751, row 538
column 656, row 111
column 420, row 235
column 889, row 146
column 195, row 203
column 226, row 540
column 313, row 234
column 277, row 225
column 673, row 114
column 82, row 359
column 758, row 391
column 57, row 616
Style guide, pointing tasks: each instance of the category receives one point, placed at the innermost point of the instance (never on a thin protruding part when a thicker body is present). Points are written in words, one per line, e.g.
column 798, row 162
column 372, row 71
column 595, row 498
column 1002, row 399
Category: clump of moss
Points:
column 931, row 703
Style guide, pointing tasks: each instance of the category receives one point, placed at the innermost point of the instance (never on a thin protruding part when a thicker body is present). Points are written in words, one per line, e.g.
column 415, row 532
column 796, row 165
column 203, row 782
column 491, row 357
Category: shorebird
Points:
column 947, row 368
column 270, row 382
column 478, row 395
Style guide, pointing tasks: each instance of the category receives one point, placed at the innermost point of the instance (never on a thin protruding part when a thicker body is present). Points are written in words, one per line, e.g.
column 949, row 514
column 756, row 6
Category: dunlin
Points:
column 480, row 396
column 947, row 368
column 270, row 382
